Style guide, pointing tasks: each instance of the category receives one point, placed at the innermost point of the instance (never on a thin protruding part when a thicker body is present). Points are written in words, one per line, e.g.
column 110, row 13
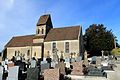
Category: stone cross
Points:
column 85, row 58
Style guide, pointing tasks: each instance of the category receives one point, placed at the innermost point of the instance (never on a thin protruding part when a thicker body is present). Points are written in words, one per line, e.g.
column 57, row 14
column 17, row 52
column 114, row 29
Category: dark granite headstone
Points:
column 32, row 73
column 96, row 72
column 21, row 64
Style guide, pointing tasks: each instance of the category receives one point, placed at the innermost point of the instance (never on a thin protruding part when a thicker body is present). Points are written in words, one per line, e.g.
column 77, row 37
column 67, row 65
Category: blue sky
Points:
column 19, row 17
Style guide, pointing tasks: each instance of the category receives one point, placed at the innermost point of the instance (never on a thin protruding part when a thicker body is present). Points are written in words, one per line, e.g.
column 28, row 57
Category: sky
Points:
column 19, row 17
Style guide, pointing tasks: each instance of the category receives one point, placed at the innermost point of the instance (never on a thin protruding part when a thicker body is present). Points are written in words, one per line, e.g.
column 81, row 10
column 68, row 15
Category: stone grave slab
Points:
column 32, row 73
column 77, row 68
column 67, row 64
column 61, row 67
column 67, row 59
column 51, row 74
column 78, row 59
column 10, row 64
column 21, row 64
column 1, row 72
column 53, row 64
column 43, row 62
column 3, row 63
column 44, row 66
column 33, row 64
column 13, row 73
column 98, row 61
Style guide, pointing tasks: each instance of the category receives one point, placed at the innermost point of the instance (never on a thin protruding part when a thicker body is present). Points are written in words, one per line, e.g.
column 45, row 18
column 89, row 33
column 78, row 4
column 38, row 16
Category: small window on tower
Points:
column 42, row 31
column 38, row 31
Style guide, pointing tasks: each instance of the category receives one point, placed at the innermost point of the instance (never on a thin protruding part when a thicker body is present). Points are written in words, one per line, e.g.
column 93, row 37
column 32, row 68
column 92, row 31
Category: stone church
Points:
column 65, row 42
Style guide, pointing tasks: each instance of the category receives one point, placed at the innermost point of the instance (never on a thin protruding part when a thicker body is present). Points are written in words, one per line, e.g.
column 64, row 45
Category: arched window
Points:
column 42, row 31
column 35, row 54
column 18, row 53
column 15, row 53
column 28, row 53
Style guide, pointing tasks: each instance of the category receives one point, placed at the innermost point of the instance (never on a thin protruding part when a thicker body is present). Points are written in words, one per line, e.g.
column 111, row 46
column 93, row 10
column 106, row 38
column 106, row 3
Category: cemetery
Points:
column 60, row 69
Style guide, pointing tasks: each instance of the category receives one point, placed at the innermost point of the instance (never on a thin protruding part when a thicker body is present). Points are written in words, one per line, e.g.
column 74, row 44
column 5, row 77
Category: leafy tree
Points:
column 98, row 38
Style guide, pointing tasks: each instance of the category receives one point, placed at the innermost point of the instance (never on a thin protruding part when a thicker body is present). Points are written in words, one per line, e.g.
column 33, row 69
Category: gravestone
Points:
column 94, row 60
column 72, row 59
column 18, row 58
column 67, row 62
column 32, row 73
column 1, row 72
column 33, row 63
column 98, row 61
column 44, row 66
column 21, row 64
column 96, row 72
column 85, row 59
column 3, row 63
column 61, row 67
column 77, row 68
column 43, row 62
column 13, row 73
column 78, row 59
column 104, row 63
column 51, row 74
column 6, row 61
column 10, row 64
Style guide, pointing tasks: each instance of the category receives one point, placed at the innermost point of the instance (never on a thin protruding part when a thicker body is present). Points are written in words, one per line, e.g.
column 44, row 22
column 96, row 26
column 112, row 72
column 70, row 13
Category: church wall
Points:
column 24, row 51
column 38, row 40
column 73, row 48
column 36, row 51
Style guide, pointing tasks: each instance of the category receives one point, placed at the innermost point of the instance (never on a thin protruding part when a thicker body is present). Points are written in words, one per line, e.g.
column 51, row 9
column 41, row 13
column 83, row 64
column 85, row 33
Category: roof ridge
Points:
column 67, row 27
column 24, row 35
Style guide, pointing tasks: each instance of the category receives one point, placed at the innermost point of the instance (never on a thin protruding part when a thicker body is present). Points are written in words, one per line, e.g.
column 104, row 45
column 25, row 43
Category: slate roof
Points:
column 64, row 33
column 43, row 19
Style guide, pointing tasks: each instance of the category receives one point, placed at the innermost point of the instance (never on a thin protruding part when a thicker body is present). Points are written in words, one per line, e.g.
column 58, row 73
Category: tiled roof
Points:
column 55, row 34
column 43, row 19
column 66, row 33
column 21, row 41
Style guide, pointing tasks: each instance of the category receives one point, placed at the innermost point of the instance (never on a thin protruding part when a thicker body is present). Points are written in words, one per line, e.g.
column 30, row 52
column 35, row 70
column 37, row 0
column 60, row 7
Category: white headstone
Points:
column 53, row 64
column 18, row 58
column 3, row 63
column 67, row 64
column 6, row 61
column 13, row 73
column 6, row 67
column 33, row 64
column 43, row 62
column 67, row 59
column 104, row 63
column 1, row 72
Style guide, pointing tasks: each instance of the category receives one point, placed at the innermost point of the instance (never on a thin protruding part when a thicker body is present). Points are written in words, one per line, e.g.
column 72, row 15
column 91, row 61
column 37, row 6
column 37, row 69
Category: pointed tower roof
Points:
column 43, row 19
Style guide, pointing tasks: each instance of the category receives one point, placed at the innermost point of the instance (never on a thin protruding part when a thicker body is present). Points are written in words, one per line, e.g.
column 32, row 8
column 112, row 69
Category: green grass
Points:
column 116, row 51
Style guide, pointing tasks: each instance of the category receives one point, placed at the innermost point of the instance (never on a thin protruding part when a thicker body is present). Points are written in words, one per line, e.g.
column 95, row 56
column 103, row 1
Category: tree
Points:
column 98, row 38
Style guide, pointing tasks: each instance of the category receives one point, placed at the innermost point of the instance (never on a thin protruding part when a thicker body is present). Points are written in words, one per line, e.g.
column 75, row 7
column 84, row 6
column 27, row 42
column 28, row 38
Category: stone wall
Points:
column 60, row 45
column 23, row 50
